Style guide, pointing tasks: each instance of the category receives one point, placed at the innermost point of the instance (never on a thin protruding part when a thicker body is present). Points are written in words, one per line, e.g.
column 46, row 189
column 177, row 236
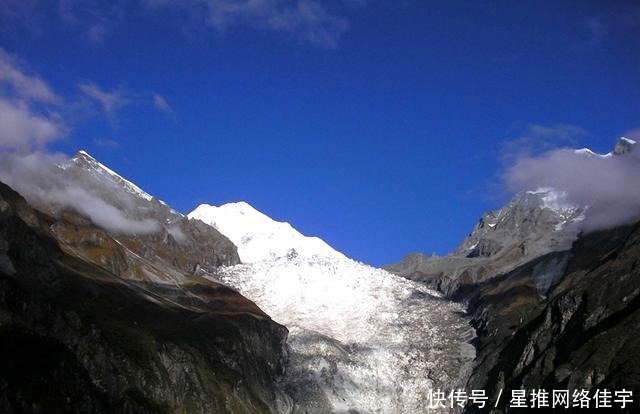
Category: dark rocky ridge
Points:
column 77, row 337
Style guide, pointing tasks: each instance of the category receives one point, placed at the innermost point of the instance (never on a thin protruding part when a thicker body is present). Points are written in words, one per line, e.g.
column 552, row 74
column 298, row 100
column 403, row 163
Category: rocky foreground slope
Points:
column 81, row 332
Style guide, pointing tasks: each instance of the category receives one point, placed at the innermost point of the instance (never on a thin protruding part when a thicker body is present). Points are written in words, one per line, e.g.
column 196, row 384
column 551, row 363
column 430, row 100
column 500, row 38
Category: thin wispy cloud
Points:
column 106, row 143
column 90, row 20
column 24, row 86
column 536, row 138
column 314, row 22
column 633, row 134
column 109, row 101
column 600, row 28
column 596, row 31
column 161, row 104
column 308, row 21
column 95, row 19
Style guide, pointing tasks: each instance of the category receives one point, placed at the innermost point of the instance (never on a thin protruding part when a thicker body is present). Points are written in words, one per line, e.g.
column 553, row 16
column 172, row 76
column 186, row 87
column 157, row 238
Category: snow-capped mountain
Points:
column 361, row 339
column 257, row 236
column 535, row 222
column 541, row 219
column 83, row 160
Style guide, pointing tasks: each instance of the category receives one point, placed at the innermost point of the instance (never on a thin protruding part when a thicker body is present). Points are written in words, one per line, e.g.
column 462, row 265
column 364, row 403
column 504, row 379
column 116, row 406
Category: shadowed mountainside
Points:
column 581, row 333
column 78, row 337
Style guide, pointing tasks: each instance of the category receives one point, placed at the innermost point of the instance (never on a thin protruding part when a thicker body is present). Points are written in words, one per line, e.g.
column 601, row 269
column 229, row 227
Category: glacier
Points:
column 361, row 340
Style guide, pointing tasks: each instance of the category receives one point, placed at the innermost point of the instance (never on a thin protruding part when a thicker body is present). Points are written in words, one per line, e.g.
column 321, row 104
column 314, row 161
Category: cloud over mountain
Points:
column 608, row 185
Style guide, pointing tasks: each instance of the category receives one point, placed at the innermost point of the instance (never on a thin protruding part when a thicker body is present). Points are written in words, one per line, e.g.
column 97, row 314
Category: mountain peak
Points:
column 84, row 154
column 624, row 146
column 86, row 161
column 257, row 236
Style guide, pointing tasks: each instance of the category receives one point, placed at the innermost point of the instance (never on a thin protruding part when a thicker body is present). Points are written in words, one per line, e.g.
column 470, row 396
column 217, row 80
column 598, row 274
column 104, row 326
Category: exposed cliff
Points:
column 577, row 330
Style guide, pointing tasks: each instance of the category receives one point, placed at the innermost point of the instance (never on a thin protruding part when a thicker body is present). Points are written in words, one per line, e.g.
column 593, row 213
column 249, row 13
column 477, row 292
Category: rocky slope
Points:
column 82, row 332
column 581, row 332
column 86, row 192
column 553, row 308
column 174, row 239
column 533, row 223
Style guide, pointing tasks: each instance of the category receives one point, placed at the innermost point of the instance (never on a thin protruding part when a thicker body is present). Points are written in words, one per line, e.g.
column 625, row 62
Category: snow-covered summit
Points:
column 624, row 146
column 360, row 339
column 85, row 161
column 257, row 236
column 588, row 152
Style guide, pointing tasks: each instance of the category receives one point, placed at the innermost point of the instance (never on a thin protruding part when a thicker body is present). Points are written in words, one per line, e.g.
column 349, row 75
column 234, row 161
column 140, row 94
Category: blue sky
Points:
column 380, row 126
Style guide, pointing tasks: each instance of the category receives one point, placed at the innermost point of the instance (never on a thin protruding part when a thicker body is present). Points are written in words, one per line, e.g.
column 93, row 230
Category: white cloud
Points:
column 28, row 116
column 29, row 120
column 22, row 128
column 608, row 185
column 38, row 178
column 24, row 86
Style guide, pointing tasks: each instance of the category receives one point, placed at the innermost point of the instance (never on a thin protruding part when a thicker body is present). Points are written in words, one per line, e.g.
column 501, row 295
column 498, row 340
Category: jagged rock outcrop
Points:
column 532, row 224
column 77, row 338
column 580, row 332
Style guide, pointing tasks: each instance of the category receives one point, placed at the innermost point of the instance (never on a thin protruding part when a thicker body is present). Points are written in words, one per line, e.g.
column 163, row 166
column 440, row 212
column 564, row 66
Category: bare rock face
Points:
column 582, row 334
column 80, row 334
column 530, row 225
column 624, row 146
column 165, row 236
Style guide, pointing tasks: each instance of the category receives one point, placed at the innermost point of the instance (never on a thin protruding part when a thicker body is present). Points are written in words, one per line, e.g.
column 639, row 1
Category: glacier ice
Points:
column 361, row 340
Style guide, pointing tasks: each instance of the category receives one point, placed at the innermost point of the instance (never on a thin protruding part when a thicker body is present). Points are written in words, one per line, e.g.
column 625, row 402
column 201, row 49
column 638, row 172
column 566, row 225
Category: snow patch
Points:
column 589, row 153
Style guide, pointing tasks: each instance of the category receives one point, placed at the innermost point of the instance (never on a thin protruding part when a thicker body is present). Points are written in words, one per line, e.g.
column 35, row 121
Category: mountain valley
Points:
column 130, row 306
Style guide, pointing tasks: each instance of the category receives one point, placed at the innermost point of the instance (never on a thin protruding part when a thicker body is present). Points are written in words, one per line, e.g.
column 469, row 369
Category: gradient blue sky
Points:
column 380, row 126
